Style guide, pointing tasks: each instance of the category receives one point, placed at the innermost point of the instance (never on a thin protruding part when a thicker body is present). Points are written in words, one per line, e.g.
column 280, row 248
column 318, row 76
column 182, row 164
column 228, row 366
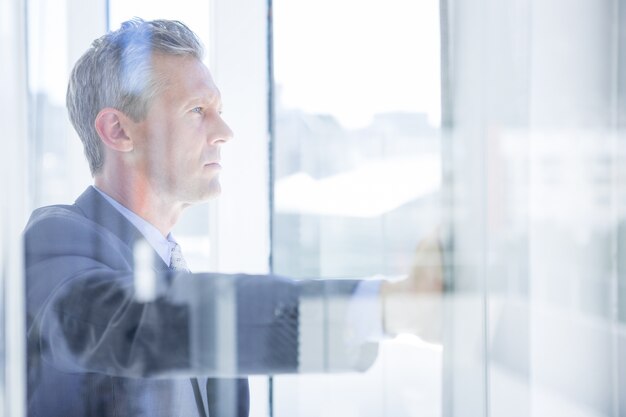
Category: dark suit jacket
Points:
column 94, row 350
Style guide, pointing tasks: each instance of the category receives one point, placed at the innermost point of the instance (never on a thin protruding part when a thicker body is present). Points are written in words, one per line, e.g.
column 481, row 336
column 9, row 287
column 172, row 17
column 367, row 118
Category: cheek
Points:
column 160, row 150
column 185, row 150
column 175, row 145
column 162, row 136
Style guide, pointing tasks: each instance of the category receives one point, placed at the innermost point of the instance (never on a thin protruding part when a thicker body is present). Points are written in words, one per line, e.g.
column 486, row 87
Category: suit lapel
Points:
column 97, row 209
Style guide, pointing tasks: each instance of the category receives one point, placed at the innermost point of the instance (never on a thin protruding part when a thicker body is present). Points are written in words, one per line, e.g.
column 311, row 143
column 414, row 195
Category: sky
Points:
column 356, row 58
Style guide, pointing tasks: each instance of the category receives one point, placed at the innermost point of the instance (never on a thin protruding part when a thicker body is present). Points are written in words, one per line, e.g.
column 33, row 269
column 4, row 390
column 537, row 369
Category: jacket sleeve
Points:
column 83, row 314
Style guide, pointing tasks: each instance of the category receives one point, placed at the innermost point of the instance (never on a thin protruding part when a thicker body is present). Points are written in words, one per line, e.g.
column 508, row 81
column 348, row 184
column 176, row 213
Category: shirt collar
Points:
column 161, row 244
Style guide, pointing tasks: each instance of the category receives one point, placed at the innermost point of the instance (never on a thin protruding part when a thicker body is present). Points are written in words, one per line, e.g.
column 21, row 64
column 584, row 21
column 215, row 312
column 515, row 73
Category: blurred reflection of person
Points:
column 149, row 116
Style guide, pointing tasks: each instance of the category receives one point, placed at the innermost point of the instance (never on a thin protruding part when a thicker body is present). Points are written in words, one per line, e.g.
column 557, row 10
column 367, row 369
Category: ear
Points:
column 111, row 125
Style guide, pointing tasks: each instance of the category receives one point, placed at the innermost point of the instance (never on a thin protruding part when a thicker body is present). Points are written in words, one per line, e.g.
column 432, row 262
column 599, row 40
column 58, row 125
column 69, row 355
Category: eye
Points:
column 198, row 110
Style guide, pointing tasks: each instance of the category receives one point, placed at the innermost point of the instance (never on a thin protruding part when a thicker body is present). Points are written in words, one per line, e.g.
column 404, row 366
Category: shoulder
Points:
column 56, row 212
column 62, row 231
column 56, row 221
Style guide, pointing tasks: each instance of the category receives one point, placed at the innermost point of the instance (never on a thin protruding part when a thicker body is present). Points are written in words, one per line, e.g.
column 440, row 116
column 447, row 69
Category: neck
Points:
column 140, row 197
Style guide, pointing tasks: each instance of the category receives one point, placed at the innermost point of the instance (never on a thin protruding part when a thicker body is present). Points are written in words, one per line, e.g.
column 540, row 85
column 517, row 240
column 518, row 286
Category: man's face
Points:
column 177, row 146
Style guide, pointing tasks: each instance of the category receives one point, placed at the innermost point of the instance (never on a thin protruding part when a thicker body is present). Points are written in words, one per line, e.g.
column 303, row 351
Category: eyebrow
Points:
column 204, row 100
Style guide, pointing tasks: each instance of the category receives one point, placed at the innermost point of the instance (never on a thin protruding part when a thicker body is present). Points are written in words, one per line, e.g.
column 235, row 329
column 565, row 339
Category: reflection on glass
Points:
column 536, row 153
column 531, row 165
column 358, row 177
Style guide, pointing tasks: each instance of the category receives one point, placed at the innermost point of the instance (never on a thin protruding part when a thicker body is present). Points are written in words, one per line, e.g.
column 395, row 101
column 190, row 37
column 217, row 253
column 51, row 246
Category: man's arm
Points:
column 84, row 316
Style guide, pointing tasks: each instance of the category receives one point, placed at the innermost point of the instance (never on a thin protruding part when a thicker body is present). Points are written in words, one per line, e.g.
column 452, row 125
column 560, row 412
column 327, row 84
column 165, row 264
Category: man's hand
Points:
column 414, row 304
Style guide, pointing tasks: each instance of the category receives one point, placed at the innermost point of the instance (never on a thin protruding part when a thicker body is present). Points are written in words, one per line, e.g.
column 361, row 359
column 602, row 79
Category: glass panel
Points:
column 358, row 177
column 112, row 329
column 520, row 177
column 531, row 151
column 536, row 155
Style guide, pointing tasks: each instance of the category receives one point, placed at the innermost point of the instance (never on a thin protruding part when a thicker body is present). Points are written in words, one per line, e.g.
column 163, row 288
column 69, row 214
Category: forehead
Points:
column 184, row 78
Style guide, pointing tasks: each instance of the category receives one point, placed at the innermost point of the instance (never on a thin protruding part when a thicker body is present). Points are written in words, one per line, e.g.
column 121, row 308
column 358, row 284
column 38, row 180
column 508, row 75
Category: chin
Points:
column 200, row 192
column 213, row 191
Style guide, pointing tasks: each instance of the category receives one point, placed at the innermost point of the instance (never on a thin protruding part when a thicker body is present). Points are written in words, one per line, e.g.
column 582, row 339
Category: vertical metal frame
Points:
column 13, row 174
column 478, row 48
column 239, row 219
column 238, row 63
column 86, row 21
column 464, row 373
column 616, row 81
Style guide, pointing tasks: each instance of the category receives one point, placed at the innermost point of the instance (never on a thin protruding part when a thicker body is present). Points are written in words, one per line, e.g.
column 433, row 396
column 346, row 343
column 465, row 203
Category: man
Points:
column 149, row 116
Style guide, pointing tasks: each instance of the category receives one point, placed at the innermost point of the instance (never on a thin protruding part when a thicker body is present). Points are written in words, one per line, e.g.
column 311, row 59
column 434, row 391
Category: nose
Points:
column 222, row 132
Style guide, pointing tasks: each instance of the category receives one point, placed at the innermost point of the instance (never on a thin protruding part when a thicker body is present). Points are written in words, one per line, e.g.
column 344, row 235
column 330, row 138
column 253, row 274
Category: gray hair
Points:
column 116, row 72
